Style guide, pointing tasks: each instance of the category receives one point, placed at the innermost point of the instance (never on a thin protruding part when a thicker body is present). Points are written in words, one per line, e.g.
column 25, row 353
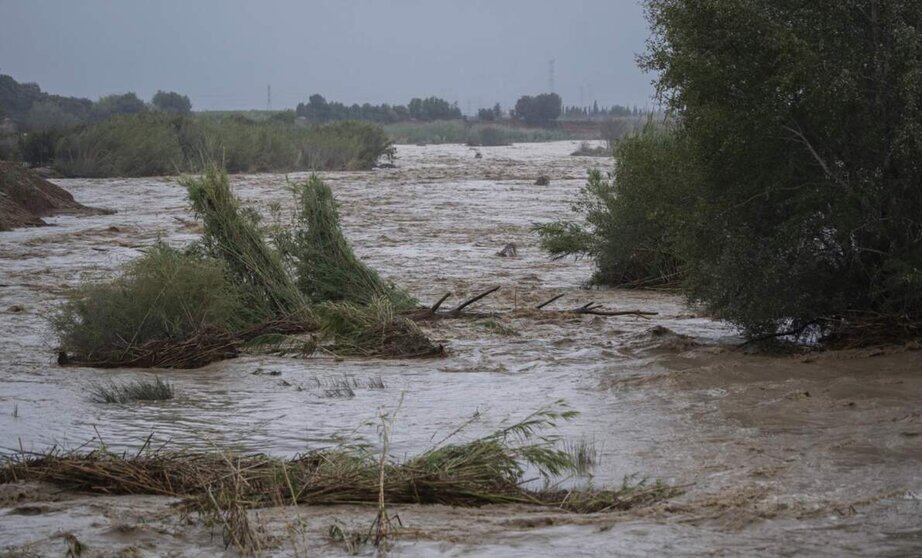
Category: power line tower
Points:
column 550, row 75
column 269, row 97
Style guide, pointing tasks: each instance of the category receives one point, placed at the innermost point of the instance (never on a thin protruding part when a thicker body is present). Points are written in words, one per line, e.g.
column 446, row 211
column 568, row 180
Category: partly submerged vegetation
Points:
column 630, row 224
column 165, row 295
column 504, row 467
column 183, row 309
column 134, row 390
column 494, row 469
column 327, row 268
column 783, row 207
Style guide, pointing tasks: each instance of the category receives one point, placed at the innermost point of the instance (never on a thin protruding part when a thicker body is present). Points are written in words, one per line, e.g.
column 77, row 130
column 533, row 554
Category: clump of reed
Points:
column 345, row 386
column 327, row 268
column 586, row 150
column 142, row 389
column 234, row 236
column 497, row 326
column 584, row 453
column 234, row 290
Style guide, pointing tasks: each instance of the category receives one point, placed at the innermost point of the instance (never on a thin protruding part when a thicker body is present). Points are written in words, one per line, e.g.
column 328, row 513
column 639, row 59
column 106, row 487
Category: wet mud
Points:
column 817, row 454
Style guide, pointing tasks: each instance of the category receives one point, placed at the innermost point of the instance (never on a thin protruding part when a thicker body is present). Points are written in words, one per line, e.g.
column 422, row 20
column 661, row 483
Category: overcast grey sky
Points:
column 223, row 53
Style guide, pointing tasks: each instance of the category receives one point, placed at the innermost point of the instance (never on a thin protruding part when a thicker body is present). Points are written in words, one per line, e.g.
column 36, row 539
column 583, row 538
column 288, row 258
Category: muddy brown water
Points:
column 792, row 455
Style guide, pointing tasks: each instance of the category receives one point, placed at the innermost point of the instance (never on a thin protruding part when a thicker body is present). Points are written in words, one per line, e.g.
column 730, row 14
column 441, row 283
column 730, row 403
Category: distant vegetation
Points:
column 540, row 110
column 120, row 135
column 786, row 197
column 169, row 101
column 317, row 109
column 30, row 108
column 152, row 144
column 596, row 112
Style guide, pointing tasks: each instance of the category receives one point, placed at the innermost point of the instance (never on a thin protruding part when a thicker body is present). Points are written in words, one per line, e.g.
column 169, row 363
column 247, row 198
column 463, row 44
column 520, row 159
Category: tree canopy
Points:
column 797, row 198
column 539, row 110
column 318, row 109
column 113, row 105
column 171, row 102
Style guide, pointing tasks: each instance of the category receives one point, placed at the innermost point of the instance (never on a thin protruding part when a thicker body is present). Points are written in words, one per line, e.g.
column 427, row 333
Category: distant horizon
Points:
column 223, row 55
column 147, row 99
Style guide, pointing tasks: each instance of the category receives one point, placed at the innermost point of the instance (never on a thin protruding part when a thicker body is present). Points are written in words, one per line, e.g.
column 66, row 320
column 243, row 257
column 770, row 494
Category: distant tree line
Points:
column 32, row 109
column 596, row 111
column 538, row 110
column 318, row 109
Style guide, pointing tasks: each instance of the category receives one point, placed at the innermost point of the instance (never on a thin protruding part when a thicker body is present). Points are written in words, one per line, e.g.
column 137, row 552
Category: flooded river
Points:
column 780, row 455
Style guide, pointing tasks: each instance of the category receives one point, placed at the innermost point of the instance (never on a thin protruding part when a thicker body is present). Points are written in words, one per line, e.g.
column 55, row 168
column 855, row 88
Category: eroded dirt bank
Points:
column 815, row 455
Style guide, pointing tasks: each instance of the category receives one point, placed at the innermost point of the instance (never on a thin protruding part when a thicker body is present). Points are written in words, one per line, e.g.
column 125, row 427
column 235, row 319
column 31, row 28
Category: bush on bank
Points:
column 796, row 199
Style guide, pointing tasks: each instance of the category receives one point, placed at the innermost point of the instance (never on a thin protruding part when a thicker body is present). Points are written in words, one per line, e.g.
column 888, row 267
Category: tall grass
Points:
column 327, row 269
column 153, row 144
column 233, row 236
column 372, row 329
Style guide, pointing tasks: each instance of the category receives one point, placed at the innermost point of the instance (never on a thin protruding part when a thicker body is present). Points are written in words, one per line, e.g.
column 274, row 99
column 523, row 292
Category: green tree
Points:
column 171, row 101
column 805, row 119
column 48, row 115
column 433, row 108
column 633, row 220
column 540, row 110
column 113, row 105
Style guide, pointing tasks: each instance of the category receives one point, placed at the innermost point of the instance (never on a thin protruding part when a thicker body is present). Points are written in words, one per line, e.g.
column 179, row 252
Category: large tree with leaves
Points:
column 805, row 119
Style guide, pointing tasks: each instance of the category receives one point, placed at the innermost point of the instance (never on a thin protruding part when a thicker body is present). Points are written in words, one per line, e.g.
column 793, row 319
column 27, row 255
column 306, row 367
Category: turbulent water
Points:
column 778, row 455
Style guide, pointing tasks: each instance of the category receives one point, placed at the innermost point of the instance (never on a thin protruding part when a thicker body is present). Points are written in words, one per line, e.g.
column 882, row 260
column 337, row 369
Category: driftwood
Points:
column 470, row 301
column 591, row 308
column 432, row 312
column 548, row 301
column 594, row 309
column 436, row 306
column 509, row 251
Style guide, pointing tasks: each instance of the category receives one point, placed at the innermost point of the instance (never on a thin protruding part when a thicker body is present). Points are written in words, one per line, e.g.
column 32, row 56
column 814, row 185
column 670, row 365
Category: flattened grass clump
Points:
column 489, row 470
column 165, row 295
column 373, row 329
column 135, row 390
